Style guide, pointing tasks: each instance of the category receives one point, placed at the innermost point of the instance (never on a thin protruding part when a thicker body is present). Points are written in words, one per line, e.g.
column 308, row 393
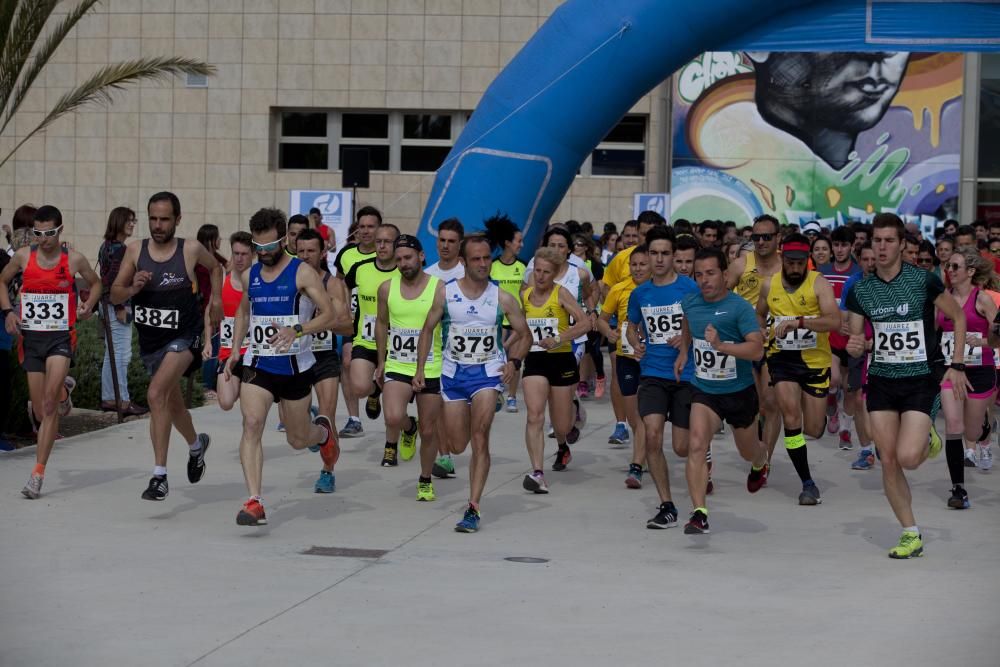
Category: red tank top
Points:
column 231, row 298
column 48, row 298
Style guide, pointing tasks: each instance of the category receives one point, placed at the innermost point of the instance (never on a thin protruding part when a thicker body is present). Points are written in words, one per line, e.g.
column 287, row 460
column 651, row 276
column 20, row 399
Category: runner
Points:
column 628, row 368
column 965, row 268
column 367, row 221
column 858, row 367
column 228, row 390
column 684, row 253
column 158, row 276
column 475, row 367
column 404, row 302
column 449, row 239
column 654, row 315
column 903, row 382
column 364, row 279
column 283, row 305
column 550, row 369
column 799, row 309
column 508, row 272
column 46, row 324
column 326, row 371
column 722, row 330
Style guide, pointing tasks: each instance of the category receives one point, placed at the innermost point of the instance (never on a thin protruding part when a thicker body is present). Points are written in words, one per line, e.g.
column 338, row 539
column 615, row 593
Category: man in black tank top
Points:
column 158, row 276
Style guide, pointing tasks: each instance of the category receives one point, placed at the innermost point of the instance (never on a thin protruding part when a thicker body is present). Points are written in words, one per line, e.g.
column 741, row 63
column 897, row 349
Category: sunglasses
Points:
column 761, row 237
column 267, row 247
column 38, row 233
column 954, row 267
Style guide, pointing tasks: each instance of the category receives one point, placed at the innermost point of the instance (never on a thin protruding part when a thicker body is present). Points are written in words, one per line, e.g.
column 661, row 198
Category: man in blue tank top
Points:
column 279, row 360
column 158, row 276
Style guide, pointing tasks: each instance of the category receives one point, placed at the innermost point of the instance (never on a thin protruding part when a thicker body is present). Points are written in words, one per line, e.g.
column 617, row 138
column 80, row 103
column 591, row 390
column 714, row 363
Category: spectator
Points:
column 925, row 256
column 965, row 235
column 121, row 225
column 24, row 220
column 981, row 230
column 208, row 236
column 316, row 222
column 911, row 246
column 950, row 227
column 729, row 233
column 708, row 233
column 812, row 230
column 821, row 251
column 296, row 224
column 608, row 242
column 944, row 248
column 994, row 232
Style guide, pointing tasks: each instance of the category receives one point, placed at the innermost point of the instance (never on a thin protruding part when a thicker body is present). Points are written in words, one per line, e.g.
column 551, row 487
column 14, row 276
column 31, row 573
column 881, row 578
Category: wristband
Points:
column 958, row 367
column 6, row 311
column 516, row 362
column 802, row 322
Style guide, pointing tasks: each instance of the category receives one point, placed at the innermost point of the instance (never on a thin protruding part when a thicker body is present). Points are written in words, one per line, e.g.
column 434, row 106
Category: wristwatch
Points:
column 516, row 362
column 958, row 367
column 298, row 330
column 558, row 339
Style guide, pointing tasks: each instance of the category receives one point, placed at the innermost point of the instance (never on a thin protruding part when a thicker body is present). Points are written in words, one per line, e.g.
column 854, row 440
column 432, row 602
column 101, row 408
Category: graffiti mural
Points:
column 830, row 136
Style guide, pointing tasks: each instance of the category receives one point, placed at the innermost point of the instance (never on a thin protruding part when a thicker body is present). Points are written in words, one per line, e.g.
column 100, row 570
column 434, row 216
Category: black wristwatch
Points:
column 298, row 330
column 957, row 367
column 516, row 362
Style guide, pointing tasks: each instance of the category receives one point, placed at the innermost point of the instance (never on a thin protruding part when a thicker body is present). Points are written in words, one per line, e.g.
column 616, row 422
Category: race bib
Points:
column 626, row 348
column 322, row 341
column 403, row 346
column 226, row 332
column 160, row 318
column 662, row 323
column 542, row 328
column 264, row 327
column 354, row 303
column 796, row 339
column 712, row 365
column 472, row 344
column 973, row 355
column 44, row 312
column 368, row 328
column 899, row 342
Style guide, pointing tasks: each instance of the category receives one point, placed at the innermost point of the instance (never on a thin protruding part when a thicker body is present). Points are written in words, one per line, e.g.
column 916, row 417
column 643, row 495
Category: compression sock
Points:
column 795, row 443
column 954, row 450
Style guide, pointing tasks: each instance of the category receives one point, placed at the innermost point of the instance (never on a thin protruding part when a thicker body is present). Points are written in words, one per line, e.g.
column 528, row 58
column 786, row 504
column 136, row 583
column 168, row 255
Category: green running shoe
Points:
column 935, row 446
column 425, row 492
column 910, row 546
column 408, row 442
column 444, row 467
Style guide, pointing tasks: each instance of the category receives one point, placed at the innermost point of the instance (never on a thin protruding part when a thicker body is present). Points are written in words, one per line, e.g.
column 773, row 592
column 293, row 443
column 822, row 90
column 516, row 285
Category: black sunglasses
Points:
column 761, row 237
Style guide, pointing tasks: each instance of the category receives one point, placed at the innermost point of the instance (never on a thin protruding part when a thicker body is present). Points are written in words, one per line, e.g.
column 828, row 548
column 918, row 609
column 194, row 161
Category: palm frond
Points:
column 41, row 58
column 101, row 84
column 7, row 10
column 30, row 17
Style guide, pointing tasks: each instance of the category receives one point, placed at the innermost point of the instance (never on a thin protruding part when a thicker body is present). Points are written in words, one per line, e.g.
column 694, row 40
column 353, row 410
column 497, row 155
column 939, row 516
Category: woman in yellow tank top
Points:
column 550, row 371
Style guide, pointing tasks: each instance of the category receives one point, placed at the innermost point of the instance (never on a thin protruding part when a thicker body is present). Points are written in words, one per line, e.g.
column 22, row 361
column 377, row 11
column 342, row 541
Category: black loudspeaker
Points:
column 355, row 168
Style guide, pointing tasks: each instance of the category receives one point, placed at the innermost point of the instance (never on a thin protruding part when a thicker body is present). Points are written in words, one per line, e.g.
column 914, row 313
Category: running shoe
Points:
column 573, row 435
column 511, row 404
column 757, row 479
column 469, row 522
column 563, row 457
column 389, row 457
column 935, row 443
column 65, row 407
column 196, row 460
column 845, row 441
column 959, row 498
column 33, row 489
column 910, row 546
column 373, row 406
column 833, row 422
column 252, row 514
column 158, row 488
column 327, row 482
column 408, row 442
column 634, row 479
column 582, row 390
column 985, row 458
column 721, row 431
column 352, row 429
column 599, row 386
column 697, row 524
column 810, row 494
column 280, row 428
column 329, row 451
column 666, row 517
column 535, row 482
column 865, row 460
column 970, row 459
column 425, row 492
column 620, row 435
column 444, row 467
column 551, row 432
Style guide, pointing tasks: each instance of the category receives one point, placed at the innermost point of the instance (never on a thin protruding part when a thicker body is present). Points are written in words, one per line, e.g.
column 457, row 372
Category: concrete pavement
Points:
column 92, row 575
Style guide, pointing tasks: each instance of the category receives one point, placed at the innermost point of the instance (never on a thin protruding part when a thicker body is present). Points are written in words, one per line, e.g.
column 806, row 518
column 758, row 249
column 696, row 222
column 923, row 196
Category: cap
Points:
column 795, row 250
column 408, row 241
column 812, row 227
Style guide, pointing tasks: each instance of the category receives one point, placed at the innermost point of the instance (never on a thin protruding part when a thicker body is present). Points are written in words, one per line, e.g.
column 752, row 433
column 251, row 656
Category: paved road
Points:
column 92, row 575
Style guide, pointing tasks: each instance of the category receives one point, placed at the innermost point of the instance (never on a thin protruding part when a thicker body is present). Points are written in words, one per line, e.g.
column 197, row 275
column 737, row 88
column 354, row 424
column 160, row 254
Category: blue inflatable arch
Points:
column 594, row 59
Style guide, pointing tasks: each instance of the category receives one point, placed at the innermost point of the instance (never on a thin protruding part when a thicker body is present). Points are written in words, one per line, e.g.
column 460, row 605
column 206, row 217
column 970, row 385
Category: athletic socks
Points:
column 954, row 450
column 413, row 427
column 195, row 446
column 795, row 443
column 846, row 423
column 159, row 471
column 424, row 480
column 39, row 470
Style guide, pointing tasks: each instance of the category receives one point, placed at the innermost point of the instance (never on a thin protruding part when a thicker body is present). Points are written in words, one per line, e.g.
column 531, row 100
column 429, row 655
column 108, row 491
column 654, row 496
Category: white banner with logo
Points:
column 334, row 205
column 658, row 202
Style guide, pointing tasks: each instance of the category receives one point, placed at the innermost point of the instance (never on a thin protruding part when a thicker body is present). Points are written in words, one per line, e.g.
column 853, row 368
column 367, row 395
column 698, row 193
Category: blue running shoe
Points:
column 327, row 482
column 865, row 460
column 511, row 404
column 281, row 427
column 469, row 522
column 620, row 435
column 353, row 429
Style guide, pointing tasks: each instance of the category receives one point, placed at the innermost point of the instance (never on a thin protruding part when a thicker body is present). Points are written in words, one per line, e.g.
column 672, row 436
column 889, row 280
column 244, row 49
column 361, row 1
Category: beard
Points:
column 794, row 279
column 163, row 237
column 269, row 259
column 410, row 273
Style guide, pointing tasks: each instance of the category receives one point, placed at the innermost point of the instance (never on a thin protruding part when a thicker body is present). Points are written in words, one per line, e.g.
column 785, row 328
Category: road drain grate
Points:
column 342, row 552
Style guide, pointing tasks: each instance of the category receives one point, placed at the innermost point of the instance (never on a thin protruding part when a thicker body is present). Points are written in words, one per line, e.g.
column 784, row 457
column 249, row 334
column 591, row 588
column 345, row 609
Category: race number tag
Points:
column 627, row 349
column 159, row 318
column 712, row 365
column 542, row 328
column 264, row 327
column 368, row 328
column 403, row 346
column 226, row 332
column 354, row 303
column 973, row 355
column 796, row 339
column 44, row 312
column 662, row 323
column 899, row 342
column 322, row 341
column 472, row 344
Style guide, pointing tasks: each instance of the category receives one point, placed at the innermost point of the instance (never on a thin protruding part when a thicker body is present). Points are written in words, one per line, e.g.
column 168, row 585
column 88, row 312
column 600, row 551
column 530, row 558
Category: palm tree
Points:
column 26, row 47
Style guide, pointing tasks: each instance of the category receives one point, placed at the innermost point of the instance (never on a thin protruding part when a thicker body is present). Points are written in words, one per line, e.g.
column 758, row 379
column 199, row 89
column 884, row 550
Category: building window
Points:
column 623, row 151
column 397, row 141
column 988, row 195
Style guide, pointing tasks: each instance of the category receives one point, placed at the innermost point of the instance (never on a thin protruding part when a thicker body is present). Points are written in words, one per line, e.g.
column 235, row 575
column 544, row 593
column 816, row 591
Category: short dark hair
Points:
column 684, row 242
column 587, row 228
column 844, row 234
column 610, row 227
column 267, row 219
column 499, row 229
column 241, row 237
column 23, row 216
column 768, row 218
column 558, row 231
column 298, row 219
column 630, row 223
column 661, row 233
column 49, row 213
column 709, row 253
column 889, row 221
column 994, row 224
column 368, row 210
column 651, row 218
column 966, row 230
column 979, row 223
column 175, row 203
column 309, row 235
column 473, row 238
column 911, row 239
column 682, row 226
column 452, row 225
column 641, row 249
column 315, row 210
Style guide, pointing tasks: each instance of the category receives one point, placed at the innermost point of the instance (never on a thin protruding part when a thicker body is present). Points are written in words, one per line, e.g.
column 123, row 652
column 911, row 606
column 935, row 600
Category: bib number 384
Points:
column 712, row 365
column 159, row 318
column 900, row 342
column 44, row 312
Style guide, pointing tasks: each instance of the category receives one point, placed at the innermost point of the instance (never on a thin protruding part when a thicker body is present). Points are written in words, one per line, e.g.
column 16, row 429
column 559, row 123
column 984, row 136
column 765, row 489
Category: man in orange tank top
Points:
column 46, row 323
